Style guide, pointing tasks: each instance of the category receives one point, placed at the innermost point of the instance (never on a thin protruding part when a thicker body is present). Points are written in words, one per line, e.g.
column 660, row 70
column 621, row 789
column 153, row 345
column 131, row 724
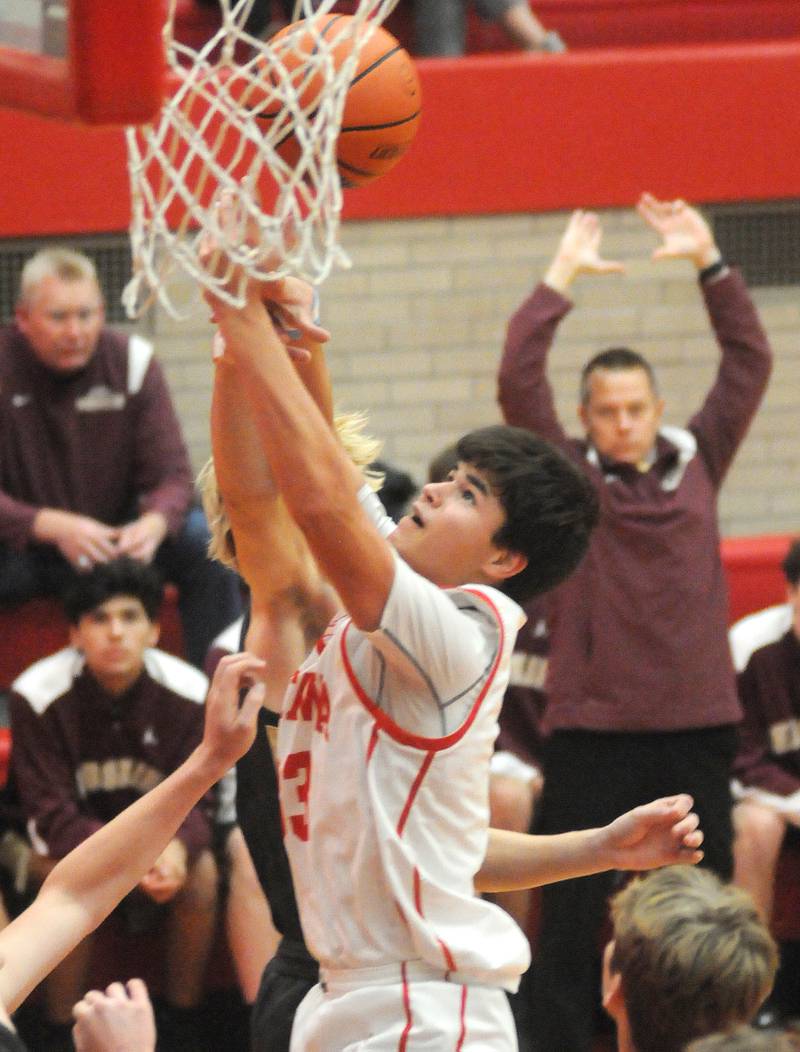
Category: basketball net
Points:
column 208, row 143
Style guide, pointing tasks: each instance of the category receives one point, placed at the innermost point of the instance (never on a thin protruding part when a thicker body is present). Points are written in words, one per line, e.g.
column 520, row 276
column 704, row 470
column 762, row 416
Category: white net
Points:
column 254, row 121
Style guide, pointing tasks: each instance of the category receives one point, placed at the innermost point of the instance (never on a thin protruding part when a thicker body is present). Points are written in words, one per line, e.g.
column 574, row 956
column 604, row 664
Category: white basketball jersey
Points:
column 384, row 747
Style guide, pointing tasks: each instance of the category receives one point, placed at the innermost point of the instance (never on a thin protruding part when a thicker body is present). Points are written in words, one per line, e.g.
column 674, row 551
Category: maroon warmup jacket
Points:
column 638, row 636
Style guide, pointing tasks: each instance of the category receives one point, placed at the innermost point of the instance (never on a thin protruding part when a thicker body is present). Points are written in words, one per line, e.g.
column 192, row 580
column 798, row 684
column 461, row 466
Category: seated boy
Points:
column 766, row 649
column 95, row 726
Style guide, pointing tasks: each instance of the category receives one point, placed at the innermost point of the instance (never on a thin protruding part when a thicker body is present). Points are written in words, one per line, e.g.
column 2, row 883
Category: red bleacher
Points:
column 582, row 23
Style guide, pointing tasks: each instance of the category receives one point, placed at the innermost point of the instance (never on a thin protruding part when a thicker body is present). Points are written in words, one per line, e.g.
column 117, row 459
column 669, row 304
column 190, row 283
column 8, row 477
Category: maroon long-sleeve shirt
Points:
column 103, row 442
column 638, row 633
column 81, row 755
column 769, row 686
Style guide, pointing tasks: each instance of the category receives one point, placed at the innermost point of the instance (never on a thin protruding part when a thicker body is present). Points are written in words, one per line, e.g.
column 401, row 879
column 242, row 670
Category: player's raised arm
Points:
column 311, row 470
column 88, row 883
column 660, row 833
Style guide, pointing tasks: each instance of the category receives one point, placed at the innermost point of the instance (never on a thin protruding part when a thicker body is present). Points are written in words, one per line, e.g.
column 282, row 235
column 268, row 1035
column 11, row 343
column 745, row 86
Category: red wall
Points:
column 500, row 133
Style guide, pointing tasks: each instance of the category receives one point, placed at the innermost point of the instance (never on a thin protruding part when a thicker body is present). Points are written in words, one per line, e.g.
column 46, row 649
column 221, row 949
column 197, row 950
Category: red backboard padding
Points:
column 500, row 133
column 113, row 71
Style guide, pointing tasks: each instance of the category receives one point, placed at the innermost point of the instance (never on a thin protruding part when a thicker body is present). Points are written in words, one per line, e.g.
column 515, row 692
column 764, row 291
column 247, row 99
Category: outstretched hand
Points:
column 685, row 233
column 660, row 833
column 290, row 302
column 230, row 728
column 578, row 252
column 292, row 306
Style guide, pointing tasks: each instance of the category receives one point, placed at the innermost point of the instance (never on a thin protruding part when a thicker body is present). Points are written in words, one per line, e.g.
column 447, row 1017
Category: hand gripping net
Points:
column 208, row 144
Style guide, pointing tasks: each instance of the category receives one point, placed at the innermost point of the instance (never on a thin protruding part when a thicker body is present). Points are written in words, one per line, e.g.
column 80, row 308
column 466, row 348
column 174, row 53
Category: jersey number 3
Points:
column 297, row 768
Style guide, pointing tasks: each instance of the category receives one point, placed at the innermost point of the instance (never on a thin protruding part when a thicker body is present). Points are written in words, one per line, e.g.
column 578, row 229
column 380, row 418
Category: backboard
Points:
column 95, row 61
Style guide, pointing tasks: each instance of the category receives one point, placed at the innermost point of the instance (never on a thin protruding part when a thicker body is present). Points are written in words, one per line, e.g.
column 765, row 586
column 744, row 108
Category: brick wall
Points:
column 418, row 324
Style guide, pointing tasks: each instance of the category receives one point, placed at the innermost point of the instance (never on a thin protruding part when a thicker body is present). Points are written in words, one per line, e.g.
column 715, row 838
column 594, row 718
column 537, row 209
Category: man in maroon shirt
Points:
column 92, row 462
column 640, row 688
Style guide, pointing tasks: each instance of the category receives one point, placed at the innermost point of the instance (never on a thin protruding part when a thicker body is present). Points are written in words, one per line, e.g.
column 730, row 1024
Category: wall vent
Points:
column 111, row 254
column 763, row 239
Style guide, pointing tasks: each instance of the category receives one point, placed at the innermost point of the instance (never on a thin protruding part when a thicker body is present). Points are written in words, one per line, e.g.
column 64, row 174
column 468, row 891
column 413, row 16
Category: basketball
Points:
column 383, row 104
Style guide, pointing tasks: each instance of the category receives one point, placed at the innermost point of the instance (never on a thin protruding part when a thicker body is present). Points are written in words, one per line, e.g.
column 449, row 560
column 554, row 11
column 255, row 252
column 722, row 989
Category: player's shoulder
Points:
column 489, row 604
column 49, row 678
column 176, row 675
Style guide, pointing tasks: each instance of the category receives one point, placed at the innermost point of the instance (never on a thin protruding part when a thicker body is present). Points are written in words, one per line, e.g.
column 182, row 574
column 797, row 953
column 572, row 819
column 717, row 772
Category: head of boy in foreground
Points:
column 690, row 956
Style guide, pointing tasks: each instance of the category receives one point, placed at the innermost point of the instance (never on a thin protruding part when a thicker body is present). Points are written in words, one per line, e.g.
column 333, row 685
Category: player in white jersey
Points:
column 388, row 726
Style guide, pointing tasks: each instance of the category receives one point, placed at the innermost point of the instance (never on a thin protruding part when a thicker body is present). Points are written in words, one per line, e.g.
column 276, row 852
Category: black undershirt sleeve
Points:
column 259, row 819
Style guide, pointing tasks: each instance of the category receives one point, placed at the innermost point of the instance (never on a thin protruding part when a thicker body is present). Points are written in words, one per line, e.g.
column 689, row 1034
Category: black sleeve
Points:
column 11, row 1042
column 258, row 813
column 259, row 817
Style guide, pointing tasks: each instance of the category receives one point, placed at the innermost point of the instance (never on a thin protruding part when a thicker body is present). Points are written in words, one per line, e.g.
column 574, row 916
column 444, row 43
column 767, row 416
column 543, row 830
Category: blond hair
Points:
column 63, row 263
column 360, row 447
column 693, row 956
column 746, row 1039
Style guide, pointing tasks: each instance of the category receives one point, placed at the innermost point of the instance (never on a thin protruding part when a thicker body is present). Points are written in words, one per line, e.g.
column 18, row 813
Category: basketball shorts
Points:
column 400, row 1007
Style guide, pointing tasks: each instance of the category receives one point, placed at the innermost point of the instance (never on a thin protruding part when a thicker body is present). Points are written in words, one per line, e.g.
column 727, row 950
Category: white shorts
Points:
column 343, row 1015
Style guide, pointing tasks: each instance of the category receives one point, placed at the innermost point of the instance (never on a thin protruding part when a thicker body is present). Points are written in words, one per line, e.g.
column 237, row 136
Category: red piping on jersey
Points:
column 449, row 959
column 418, row 892
column 407, row 1006
column 417, row 741
column 373, row 741
column 463, row 1033
column 412, row 792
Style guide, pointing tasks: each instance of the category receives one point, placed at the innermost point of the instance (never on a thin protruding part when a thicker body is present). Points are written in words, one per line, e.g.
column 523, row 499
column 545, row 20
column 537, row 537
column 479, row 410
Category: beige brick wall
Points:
column 418, row 325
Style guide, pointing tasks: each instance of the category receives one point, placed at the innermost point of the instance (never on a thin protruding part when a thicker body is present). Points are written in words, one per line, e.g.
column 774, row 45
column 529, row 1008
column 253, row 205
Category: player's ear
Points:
column 611, row 984
column 504, row 563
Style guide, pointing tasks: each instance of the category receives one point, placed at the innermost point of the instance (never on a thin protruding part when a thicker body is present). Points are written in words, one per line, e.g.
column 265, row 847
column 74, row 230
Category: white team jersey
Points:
column 385, row 799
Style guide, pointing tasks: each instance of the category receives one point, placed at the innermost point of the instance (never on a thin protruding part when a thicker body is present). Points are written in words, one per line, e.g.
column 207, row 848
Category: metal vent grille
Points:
column 110, row 253
column 761, row 238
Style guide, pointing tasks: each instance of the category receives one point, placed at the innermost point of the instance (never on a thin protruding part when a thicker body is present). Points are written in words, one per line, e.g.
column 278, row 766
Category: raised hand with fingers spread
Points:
column 578, row 252
column 684, row 232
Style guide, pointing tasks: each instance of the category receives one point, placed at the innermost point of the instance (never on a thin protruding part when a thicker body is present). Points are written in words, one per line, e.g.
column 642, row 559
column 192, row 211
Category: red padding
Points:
column 753, row 569
column 501, row 133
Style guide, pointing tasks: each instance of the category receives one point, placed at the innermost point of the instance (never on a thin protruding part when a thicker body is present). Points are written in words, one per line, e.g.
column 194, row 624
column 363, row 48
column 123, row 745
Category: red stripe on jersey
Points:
column 448, row 956
column 463, row 1033
column 403, row 736
column 373, row 741
column 418, row 892
column 449, row 959
column 412, row 793
column 407, row 1006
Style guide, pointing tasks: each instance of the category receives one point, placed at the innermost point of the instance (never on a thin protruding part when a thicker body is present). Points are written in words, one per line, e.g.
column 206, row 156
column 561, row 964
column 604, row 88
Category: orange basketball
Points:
column 383, row 103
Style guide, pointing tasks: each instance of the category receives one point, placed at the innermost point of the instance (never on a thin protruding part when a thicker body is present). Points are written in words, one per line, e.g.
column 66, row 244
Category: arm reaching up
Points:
column 88, row 883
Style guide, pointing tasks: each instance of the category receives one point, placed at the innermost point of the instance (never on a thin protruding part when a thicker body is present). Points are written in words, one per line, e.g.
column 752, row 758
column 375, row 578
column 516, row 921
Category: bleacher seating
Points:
column 582, row 23
column 755, row 580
